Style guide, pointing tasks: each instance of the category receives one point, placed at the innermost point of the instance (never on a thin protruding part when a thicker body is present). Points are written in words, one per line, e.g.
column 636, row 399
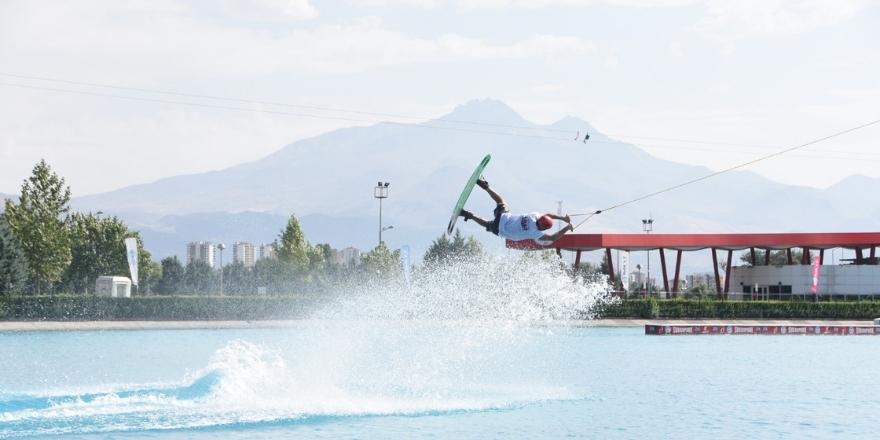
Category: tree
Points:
column 38, row 223
column 275, row 275
column 238, row 279
column 198, row 277
column 13, row 268
column 381, row 261
column 444, row 250
column 292, row 248
column 173, row 276
column 149, row 271
column 97, row 248
column 777, row 258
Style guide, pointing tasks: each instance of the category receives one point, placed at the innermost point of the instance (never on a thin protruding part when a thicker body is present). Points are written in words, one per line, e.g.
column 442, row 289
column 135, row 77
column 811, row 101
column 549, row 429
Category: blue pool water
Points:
column 435, row 379
column 477, row 349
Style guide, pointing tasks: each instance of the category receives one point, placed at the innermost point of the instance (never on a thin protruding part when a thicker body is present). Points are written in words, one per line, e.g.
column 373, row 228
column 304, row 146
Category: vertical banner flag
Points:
column 816, row 274
column 405, row 262
column 131, row 250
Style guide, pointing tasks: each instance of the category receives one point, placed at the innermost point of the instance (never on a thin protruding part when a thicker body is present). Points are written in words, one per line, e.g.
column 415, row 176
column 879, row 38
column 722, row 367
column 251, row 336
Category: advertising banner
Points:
column 131, row 251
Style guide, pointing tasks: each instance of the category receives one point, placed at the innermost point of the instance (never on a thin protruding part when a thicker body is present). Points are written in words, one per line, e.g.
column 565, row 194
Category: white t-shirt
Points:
column 519, row 227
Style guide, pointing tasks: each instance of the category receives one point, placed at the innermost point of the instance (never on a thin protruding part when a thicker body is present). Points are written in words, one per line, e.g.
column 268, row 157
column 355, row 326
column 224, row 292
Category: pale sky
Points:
column 755, row 72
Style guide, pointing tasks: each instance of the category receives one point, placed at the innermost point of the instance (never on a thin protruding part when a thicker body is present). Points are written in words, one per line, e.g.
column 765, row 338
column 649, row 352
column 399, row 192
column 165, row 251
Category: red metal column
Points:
column 727, row 273
column 766, row 257
column 663, row 267
column 790, row 259
column 821, row 256
column 754, row 258
column 717, row 275
column 610, row 265
column 677, row 271
column 859, row 256
column 577, row 260
column 873, row 249
column 805, row 258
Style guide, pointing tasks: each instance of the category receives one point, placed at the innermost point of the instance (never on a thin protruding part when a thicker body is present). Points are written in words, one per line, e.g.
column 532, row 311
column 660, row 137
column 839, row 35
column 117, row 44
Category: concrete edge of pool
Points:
column 696, row 326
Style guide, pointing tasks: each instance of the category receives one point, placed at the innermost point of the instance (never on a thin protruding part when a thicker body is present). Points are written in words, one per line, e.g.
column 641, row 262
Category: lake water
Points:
column 392, row 379
column 476, row 352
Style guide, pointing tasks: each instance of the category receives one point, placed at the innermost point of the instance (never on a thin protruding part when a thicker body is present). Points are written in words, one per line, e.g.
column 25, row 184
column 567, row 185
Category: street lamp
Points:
column 381, row 192
column 648, row 226
column 221, row 246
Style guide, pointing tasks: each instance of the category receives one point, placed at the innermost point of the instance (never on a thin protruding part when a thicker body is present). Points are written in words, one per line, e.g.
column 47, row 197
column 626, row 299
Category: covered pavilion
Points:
column 860, row 242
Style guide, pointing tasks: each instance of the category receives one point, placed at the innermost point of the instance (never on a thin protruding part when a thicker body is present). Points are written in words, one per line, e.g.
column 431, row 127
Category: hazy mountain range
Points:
column 328, row 180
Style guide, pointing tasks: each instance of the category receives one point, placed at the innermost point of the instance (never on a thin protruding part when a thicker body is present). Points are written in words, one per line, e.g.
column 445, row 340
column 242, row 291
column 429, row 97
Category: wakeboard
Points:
column 466, row 192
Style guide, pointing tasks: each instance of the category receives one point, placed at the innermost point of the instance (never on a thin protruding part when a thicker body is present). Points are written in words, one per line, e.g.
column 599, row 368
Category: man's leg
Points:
column 470, row 216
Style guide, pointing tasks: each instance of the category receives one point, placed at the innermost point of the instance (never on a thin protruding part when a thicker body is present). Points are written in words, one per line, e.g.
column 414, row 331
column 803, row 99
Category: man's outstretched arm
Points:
column 557, row 235
column 564, row 218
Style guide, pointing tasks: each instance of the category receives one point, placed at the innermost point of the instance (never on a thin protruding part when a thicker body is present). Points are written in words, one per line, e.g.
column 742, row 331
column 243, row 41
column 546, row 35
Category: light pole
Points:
column 648, row 226
column 381, row 192
column 221, row 246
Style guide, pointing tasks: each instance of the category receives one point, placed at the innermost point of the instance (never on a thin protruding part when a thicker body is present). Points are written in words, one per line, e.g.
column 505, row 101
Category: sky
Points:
column 711, row 82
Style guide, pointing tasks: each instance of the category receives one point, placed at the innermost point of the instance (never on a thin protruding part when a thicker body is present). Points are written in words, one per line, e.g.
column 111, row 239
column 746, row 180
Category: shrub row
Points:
column 694, row 309
column 207, row 308
column 151, row 308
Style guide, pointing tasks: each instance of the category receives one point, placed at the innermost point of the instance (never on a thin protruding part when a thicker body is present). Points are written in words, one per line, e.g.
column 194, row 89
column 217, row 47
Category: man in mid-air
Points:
column 517, row 226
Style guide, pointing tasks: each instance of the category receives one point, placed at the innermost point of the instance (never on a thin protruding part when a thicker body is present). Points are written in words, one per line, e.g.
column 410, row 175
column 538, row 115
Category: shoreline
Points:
column 29, row 326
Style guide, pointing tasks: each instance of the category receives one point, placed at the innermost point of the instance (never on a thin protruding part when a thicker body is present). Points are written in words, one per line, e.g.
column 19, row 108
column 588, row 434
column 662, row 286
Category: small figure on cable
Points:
column 518, row 226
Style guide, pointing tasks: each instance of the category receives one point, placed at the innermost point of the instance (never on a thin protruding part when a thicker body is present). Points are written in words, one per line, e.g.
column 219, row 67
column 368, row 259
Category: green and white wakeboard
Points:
column 466, row 192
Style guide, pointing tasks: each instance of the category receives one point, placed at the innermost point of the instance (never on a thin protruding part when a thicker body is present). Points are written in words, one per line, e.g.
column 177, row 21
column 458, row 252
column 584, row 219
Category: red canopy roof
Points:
column 692, row 242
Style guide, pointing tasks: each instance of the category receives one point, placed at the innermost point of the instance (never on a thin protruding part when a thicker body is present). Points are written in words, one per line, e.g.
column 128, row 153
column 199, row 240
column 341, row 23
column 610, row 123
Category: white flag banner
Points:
column 131, row 250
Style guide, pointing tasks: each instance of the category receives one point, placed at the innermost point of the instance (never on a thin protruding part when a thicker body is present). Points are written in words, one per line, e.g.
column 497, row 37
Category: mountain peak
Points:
column 487, row 110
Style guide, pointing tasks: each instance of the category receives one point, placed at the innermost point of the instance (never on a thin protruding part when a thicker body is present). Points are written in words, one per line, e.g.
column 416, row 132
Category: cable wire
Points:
column 726, row 170
column 278, row 112
column 280, row 104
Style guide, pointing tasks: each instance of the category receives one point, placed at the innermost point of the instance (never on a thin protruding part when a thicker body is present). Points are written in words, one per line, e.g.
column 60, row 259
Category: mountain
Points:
column 328, row 180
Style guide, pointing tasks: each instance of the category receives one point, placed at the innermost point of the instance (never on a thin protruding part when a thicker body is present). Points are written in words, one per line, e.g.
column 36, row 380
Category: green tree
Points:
column 173, row 277
column 777, row 258
column 149, row 271
column 13, row 268
column 292, row 248
column 381, row 261
column 238, row 279
column 275, row 275
column 97, row 248
column 38, row 223
column 444, row 250
column 198, row 277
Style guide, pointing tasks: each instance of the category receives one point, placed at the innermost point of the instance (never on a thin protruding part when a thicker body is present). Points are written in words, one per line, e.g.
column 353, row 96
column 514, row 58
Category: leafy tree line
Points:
column 298, row 267
column 46, row 248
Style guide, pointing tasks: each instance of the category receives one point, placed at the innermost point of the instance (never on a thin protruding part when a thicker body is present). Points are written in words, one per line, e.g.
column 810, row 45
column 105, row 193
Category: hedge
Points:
column 695, row 309
column 207, row 308
column 152, row 308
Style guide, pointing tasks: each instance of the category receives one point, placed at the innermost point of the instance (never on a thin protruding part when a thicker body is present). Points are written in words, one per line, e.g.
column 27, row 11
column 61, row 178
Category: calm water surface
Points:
column 435, row 379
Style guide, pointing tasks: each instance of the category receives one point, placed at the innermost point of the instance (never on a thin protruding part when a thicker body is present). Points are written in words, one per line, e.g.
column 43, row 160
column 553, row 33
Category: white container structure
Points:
column 114, row 287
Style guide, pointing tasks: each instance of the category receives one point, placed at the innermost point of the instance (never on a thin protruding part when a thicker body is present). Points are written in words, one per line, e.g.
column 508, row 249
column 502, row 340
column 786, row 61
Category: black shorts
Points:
column 500, row 209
